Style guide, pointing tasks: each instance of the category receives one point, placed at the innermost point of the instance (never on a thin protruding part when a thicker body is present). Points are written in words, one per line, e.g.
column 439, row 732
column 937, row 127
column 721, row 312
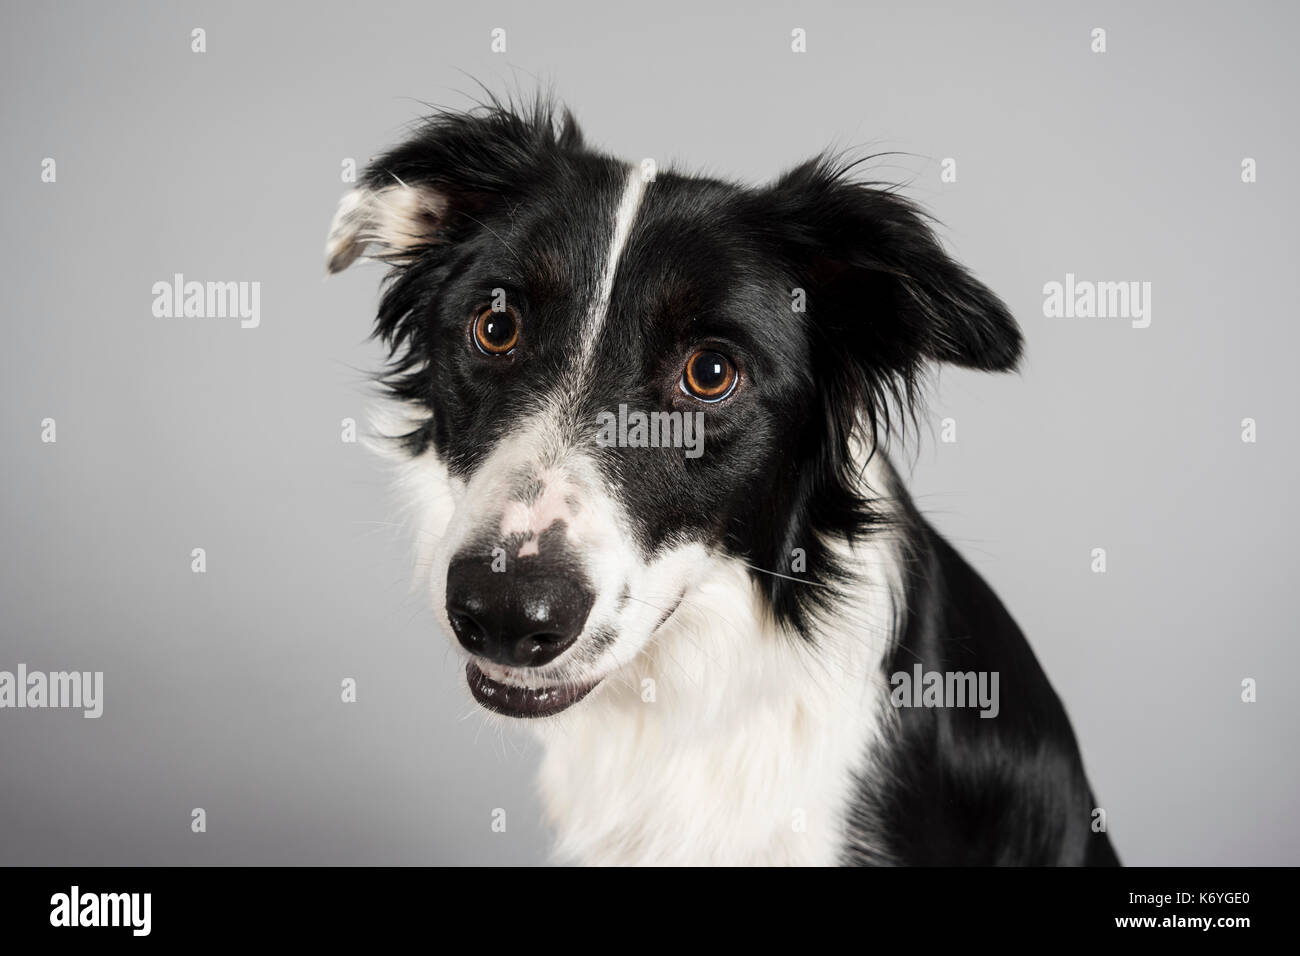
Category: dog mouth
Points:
column 512, row 701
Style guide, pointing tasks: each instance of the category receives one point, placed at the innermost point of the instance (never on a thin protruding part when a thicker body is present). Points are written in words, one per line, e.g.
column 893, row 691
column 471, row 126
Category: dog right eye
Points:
column 496, row 333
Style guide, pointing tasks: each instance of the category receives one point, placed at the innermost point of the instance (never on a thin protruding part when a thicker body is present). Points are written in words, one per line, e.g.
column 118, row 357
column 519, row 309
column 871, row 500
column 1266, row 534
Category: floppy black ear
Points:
column 432, row 187
column 880, row 278
column 882, row 299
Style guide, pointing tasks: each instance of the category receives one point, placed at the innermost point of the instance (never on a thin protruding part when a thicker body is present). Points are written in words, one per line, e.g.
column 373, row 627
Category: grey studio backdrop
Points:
column 222, row 689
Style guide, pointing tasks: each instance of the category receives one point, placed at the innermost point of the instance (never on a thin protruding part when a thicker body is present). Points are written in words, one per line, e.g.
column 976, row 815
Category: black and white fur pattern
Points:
column 718, row 706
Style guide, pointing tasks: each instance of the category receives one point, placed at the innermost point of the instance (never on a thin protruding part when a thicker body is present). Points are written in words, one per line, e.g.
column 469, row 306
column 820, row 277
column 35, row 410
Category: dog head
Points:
column 619, row 375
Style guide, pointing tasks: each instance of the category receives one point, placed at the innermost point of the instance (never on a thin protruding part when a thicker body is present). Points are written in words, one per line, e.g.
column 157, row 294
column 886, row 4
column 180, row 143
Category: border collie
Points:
column 748, row 647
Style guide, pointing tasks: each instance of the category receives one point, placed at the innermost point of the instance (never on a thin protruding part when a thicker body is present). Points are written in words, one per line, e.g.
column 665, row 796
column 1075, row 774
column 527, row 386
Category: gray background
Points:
column 222, row 690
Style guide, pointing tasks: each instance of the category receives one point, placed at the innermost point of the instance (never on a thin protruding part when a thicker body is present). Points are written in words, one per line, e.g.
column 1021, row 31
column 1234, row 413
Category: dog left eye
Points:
column 709, row 376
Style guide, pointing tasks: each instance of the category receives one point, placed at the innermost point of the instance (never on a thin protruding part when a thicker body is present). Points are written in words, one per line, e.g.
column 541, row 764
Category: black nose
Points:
column 524, row 617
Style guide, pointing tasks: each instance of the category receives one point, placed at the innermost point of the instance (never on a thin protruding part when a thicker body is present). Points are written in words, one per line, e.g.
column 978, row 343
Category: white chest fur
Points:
column 726, row 742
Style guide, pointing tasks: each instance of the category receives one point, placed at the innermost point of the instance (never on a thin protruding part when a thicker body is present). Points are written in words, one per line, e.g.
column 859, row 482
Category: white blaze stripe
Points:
column 623, row 219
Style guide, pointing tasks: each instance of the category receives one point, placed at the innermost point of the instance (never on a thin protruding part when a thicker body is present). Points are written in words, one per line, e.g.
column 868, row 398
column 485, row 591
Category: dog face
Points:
column 623, row 377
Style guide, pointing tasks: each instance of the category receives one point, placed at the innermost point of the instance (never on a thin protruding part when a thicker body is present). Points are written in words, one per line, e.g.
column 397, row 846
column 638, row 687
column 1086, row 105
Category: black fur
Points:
column 952, row 788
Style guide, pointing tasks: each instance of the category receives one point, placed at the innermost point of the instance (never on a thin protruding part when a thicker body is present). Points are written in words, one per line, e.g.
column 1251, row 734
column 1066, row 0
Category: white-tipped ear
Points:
column 395, row 220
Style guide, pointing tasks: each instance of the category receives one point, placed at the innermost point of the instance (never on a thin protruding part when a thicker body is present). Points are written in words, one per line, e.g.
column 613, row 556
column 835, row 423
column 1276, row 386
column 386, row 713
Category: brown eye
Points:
column 709, row 376
column 496, row 333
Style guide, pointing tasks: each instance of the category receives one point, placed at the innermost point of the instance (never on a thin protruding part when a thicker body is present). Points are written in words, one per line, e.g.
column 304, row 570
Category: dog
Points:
column 714, row 638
